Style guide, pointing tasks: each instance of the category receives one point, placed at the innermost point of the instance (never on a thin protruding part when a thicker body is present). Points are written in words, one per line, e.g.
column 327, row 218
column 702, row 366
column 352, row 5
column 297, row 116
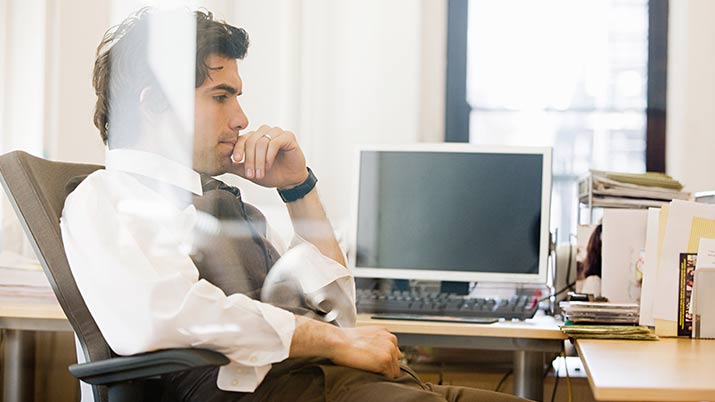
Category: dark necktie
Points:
column 208, row 183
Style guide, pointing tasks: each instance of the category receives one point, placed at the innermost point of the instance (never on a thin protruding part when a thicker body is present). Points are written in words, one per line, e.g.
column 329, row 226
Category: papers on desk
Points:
column 617, row 321
column 706, row 254
column 623, row 254
column 674, row 229
column 23, row 278
column 599, row 312
column 641, row 333
column 626, row 190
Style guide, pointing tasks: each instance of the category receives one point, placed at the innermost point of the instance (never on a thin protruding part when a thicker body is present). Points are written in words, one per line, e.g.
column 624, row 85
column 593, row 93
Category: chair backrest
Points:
column 37, row 189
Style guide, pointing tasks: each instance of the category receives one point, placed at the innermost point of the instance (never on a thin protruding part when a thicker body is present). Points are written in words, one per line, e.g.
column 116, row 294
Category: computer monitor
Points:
column 452, row 212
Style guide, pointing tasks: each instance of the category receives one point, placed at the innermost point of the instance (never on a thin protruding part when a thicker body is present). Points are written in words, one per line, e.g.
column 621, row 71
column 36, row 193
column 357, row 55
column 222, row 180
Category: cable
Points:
column 569, row 284
column 556, row 384
column 503, row 380
column 568, row 266
column 567, row 287
column 568, row 378
column 556, row 257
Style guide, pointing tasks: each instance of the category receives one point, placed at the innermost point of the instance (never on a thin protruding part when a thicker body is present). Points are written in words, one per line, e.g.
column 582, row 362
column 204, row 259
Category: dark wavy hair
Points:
column 122, row 71
column 592, row 265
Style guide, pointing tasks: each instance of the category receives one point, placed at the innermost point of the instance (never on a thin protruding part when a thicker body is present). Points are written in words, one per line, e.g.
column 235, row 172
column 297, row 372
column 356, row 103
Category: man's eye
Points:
column 220, row 98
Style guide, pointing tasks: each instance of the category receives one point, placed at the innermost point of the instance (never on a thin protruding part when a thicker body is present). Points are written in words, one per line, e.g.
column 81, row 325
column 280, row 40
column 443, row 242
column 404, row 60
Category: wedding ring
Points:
column 267, row 136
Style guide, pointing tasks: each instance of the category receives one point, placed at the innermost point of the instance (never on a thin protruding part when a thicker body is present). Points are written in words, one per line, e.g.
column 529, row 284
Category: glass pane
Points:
column 581, row 140
column 557, row 54
column 570, row 74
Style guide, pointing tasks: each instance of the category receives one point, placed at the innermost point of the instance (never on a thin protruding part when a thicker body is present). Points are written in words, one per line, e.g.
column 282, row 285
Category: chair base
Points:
column 131, row 391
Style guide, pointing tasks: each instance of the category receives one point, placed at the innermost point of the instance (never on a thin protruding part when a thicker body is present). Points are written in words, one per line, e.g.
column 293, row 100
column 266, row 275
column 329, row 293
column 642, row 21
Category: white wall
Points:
column 72, row 40
column 339, row 73
column 47, row 57
column 23, row 89
column 691, row 94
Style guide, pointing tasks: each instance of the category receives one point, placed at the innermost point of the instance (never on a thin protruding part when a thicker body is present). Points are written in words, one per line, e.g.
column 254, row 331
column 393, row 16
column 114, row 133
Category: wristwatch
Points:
column 299, row 191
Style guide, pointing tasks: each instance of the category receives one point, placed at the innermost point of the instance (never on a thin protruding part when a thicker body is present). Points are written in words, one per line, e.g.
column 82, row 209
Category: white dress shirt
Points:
column 127, row 232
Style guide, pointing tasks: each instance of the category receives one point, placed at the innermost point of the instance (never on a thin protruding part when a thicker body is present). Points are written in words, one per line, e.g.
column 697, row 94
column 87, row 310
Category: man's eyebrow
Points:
column 224, row 87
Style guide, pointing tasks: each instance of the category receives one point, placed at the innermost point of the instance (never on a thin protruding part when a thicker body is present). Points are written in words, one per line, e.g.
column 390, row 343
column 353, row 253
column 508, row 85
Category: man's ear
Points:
column 152, row 101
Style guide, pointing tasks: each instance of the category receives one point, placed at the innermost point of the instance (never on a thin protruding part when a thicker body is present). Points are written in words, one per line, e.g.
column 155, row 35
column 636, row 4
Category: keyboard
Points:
column 444, row 304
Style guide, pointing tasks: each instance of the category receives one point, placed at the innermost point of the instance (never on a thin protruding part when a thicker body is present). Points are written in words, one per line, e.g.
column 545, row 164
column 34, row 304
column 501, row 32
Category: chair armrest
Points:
column 145, row 365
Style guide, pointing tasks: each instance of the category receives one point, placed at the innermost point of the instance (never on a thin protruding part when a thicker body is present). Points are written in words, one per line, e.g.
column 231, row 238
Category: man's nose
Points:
column 239, row 120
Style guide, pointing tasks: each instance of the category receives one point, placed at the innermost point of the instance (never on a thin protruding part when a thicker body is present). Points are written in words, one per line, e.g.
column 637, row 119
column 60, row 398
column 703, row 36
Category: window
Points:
column 570, row 74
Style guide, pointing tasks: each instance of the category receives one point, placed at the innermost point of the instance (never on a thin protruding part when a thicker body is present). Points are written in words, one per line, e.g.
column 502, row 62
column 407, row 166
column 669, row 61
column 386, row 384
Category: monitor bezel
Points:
column 449, row 275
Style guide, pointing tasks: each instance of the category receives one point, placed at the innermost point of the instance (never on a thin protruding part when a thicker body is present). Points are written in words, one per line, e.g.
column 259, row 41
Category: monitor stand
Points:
column 460, row 288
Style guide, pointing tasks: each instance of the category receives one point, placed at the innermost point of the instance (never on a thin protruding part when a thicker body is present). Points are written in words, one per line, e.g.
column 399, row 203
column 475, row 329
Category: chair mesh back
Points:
column 36, row 188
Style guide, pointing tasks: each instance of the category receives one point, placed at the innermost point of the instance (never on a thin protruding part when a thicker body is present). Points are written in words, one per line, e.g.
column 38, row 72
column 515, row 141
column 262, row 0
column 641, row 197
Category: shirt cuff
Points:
column 237, row 378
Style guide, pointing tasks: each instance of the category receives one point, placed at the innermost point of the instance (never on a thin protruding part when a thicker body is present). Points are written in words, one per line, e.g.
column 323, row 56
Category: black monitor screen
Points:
column 453, row 211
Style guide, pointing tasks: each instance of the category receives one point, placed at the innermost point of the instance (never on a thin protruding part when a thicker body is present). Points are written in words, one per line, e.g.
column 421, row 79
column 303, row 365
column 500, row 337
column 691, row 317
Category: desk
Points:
column 18, row 320
column 666, row 370
column 530, row 340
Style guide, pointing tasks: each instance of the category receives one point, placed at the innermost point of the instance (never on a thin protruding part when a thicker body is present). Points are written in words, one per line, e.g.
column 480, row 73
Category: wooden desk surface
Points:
column 543, row 327
column 22, row 309
column 666, row 370
column 32, row 315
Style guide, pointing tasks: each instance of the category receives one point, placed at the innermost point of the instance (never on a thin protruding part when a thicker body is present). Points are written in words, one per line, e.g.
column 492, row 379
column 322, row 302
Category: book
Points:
column 648, row 179
column 707, row 197
column 629, row 190
column 685, row 289
column 609, row 332
column 599, row 312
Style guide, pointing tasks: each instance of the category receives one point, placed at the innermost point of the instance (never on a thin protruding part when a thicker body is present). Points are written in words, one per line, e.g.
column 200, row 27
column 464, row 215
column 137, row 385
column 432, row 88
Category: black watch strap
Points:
column 299, row 191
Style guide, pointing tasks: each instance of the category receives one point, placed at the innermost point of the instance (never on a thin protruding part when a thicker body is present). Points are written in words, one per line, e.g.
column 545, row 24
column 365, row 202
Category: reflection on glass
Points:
column 564, row 73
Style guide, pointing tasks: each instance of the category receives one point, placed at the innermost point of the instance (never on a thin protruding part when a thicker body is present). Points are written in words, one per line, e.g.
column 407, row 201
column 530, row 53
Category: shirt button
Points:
column 234, row 382
column 252, row 359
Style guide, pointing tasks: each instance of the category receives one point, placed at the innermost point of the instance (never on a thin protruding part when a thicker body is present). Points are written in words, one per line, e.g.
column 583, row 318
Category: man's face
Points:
column 218, row 116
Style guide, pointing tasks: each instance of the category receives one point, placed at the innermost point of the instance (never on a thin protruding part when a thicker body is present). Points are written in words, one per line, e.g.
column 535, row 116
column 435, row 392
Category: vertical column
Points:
column 19, row 366
column 529, row 374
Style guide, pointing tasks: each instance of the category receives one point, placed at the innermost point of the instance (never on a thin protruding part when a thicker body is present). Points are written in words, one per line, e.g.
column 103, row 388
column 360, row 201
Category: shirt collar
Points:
column 154, row 166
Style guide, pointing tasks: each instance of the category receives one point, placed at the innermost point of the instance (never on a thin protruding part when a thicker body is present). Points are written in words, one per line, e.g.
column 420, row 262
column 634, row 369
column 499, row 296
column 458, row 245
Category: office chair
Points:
column 36, row 189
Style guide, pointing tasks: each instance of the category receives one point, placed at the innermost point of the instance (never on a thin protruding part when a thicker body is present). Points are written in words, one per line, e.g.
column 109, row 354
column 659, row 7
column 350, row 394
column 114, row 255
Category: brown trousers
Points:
column 238, row 264
column 305, row 380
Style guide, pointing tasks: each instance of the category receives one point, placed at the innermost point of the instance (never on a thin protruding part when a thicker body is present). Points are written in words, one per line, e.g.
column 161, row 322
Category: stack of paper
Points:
column 622, row 254
column 599, row 312
column 23, row 278
column 678, row 241
column 627, row 190
column 609, row 332
column 707, row 197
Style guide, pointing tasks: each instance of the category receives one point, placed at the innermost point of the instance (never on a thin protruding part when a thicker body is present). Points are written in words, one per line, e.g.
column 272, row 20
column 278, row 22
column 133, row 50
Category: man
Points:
column 157, row 271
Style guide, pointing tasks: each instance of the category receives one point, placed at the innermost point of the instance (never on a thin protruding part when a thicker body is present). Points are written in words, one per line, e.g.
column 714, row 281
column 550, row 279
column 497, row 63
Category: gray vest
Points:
column 232, row 252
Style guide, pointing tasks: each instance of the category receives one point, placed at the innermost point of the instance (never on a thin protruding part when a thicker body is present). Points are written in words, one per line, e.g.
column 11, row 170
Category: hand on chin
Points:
column 269, row 157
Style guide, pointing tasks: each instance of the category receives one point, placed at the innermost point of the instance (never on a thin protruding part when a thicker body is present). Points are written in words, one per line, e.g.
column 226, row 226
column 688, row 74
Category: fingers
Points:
column 393, row 369
column 394, row 356
column 393, row 338
column 259, row 149
column 373, row 349
column 397, row 359
column 279, row 141
column 246, row 145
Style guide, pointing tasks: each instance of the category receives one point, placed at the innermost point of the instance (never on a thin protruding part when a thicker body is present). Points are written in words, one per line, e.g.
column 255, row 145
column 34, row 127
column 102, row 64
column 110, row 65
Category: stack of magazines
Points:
column 629, row 190
column 22, row 278
column 642, row 333
column 599, row 313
